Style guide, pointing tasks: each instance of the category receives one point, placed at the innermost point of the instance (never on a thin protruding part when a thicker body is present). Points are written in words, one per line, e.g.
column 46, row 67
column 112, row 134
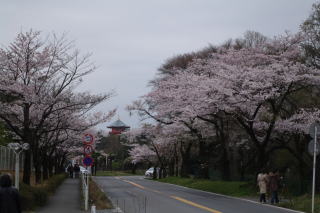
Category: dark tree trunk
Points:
column 225, row 165
column 50, row 167
column 155, row 172
column 160, row 172
column 164, row 173
column 171, row 168
column 204, row 161
column 45, row 173
column 37, row 173
column 185, row 169
column 133, row 169
column 27, row 167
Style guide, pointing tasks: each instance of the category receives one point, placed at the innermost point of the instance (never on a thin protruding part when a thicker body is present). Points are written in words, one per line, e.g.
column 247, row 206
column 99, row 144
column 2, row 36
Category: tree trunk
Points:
column 225, row 165
column 185, row 169
column 50, row 167
column 45, row 172
column 27, row 167
column 171, row 168
column 134, row 168
column 155, row 172
column 37, row 173
column 204, row 161
column 262, row 159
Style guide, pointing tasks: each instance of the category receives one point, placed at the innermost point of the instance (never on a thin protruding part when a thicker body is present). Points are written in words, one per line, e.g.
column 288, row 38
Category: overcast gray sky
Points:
column 130, row 39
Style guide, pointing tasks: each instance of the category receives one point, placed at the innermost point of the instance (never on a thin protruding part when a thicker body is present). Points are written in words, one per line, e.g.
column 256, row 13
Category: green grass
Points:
column 232, row 188
column 303, row 203
column 118, row 173
column 97, row 197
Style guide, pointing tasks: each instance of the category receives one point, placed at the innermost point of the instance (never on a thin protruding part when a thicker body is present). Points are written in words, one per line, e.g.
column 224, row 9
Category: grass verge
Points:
column 303, row 203
column 231, row 188
column 98, row 197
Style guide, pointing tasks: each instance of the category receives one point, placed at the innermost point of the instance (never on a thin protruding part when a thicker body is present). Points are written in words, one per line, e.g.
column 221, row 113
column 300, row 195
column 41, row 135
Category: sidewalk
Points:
column 65, row 200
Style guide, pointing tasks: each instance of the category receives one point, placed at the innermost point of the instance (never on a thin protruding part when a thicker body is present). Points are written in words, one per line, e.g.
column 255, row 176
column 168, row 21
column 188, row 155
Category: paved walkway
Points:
column 65, row 200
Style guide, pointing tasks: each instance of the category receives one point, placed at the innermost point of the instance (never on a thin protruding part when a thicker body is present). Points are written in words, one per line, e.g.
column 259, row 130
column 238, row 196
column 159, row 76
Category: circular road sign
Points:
column 88, row 139
column 87, row 149
column 87, row 161
column 311, row 148
column 312, row 129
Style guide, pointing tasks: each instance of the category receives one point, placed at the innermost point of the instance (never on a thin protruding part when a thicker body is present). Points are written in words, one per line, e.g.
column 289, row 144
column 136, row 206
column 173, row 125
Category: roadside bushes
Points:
column 37, row 196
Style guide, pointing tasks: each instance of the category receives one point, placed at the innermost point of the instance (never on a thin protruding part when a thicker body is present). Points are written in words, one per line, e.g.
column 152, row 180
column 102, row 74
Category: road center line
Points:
column 135, row 184
column 195, row 204
column 175, row 197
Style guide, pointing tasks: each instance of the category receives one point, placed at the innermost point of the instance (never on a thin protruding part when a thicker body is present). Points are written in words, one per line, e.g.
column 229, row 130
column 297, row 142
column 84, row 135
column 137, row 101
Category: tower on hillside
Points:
column 117, row 127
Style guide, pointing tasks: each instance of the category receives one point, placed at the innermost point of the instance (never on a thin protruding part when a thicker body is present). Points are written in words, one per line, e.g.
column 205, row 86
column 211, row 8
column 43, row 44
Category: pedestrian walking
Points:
column 274, row 186
column 76, row 170
column 9, row 196
column 262, row 182
column 70, row 170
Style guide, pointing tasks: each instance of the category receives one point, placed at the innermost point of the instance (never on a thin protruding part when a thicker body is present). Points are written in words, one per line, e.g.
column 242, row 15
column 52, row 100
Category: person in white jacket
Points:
column 262, row 182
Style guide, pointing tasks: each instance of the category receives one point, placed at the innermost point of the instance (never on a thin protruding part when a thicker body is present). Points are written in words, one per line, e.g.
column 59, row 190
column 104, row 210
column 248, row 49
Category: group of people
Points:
column 73, row 170
column 268, row 184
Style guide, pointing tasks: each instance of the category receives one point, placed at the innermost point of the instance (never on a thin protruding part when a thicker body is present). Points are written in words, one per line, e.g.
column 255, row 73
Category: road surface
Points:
column 134, row 194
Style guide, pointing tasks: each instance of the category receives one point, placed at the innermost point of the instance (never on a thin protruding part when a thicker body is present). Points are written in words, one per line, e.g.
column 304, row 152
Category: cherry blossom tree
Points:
column 250, row 86
column 37, row 78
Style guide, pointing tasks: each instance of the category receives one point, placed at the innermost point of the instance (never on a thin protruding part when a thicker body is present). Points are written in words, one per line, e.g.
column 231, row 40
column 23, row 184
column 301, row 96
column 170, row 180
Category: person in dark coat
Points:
column 70, row 170
column 76, row 170
column 274, row 186
column 9, row 196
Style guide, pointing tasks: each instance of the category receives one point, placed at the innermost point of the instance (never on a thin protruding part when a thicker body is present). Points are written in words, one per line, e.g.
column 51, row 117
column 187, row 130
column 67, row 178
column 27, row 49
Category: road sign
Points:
column 311, row 148
column 87, row 149
column 312, row 129
column 88, row 139
column 87, row 161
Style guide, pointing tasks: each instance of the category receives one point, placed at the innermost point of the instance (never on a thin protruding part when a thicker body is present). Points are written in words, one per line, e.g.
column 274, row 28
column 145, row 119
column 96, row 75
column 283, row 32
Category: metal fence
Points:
column 7, row 159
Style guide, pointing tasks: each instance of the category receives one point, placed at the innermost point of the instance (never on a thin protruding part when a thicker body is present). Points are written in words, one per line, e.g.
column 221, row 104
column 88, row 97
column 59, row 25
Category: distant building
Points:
column 117, row 127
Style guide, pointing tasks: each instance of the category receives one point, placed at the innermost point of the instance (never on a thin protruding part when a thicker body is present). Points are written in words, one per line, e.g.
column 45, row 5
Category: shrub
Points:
column 27, row 197
column 54, row 182
column 37, row 196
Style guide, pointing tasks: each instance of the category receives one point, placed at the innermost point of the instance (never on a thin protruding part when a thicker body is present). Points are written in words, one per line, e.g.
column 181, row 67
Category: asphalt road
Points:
column 134, row 194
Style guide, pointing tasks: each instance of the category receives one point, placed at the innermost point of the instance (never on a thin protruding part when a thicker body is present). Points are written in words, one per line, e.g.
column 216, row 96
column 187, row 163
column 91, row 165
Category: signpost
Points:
column 88, row 161
column 87, row 149
column 314, row 132
column 88, row 139
column 311, row 146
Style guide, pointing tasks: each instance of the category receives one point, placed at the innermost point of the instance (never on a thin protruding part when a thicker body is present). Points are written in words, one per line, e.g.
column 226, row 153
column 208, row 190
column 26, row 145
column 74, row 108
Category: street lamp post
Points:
column 18, row 148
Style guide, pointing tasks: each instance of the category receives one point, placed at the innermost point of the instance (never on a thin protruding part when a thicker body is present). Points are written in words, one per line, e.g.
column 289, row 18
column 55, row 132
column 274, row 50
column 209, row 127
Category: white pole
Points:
column 17, row 171
column 314, row 167
column 86, row 192
column 93, row 209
